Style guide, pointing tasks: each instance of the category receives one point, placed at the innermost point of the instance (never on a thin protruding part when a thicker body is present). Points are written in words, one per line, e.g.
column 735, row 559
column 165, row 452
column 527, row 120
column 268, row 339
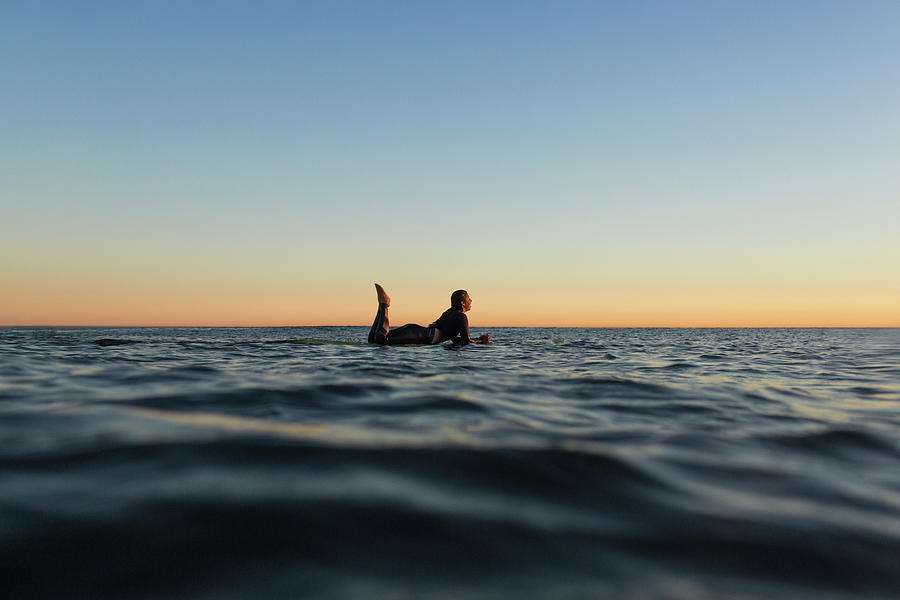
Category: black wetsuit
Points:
column 448, row 326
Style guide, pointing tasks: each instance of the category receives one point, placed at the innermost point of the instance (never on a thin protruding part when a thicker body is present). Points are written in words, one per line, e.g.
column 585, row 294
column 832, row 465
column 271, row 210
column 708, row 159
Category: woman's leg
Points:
column 381, row 325
column 408, row 334
column 381, row 328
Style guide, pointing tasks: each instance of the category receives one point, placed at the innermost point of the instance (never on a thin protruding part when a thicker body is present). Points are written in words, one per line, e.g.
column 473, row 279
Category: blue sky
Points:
column 589, row 147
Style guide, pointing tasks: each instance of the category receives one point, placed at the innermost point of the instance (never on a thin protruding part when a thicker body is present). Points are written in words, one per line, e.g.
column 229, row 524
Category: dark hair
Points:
column 457, row 297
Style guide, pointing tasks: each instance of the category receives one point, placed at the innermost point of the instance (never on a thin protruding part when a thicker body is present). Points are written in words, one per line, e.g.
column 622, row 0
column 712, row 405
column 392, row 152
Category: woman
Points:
column 452, row 325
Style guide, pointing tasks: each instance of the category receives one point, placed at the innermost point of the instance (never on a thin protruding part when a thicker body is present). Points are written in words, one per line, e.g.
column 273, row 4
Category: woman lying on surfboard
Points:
column 452, row 325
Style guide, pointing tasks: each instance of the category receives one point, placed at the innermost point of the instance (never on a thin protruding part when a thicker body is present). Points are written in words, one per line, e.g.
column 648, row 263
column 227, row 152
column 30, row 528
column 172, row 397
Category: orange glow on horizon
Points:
column 124, row 308
column 109, row 289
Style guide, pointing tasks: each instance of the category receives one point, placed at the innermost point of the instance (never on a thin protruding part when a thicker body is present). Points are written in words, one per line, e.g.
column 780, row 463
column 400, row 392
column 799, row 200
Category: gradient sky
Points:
column 569, row 163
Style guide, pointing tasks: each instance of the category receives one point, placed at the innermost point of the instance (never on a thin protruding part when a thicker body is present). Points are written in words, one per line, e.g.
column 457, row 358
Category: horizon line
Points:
column 477, row 327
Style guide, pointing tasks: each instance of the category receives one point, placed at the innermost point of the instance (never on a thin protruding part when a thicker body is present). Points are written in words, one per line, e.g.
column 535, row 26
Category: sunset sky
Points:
column 569, row 163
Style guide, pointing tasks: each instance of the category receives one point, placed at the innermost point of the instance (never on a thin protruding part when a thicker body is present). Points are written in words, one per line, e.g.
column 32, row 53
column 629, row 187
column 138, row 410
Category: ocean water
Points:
column 553, row 463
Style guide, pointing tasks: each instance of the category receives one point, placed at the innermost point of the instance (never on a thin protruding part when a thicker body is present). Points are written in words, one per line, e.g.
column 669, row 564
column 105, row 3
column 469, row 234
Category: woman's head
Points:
column 460, row 300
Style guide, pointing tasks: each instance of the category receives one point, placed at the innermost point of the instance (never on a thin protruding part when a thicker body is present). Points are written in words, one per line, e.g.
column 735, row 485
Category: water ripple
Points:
column 278, row 462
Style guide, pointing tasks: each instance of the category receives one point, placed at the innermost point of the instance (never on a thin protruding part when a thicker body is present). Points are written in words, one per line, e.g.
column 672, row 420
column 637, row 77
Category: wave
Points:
column 593, row 387
column 839, row 443
column 301, row 461
column 177, row 518
column 115, row 342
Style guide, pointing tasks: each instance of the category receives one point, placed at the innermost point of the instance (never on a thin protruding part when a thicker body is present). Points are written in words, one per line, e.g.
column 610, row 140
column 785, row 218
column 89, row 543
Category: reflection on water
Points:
column 580, row 462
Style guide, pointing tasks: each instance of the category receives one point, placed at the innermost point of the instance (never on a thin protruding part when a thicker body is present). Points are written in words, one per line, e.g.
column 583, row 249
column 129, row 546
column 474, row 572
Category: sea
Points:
column 552, row 463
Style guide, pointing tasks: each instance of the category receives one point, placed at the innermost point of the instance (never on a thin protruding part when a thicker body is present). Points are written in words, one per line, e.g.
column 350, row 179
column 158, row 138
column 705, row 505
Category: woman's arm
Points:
column 464, row 334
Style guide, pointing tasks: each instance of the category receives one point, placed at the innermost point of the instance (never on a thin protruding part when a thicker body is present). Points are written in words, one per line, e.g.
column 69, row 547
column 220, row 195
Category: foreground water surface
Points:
column 646, row 463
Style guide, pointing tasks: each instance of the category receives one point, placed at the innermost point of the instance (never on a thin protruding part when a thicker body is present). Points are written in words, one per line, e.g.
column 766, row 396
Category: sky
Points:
column 568, row 163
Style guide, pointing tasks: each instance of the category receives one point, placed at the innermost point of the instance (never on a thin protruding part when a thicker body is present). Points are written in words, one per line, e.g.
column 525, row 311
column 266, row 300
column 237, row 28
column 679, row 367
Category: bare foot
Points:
column 383, row 298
